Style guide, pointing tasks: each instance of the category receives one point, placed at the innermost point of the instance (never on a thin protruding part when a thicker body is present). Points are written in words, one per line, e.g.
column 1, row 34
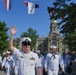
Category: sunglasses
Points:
column 25, row 43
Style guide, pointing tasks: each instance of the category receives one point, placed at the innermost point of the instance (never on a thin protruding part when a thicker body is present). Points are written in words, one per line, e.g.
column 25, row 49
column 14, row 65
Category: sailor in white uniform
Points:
column 52, row 61
column 16, row 67
column 0, row 60
column 8, row 63
column 28, row 60
column 68, row 57
column 65, row 63
column 41, row 58
column 75, row 59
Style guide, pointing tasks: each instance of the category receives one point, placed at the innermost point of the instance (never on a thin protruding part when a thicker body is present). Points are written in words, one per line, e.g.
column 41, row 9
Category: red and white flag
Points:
column 7, row 4
column 25, row 3
column 52, row 12
column 31, row 8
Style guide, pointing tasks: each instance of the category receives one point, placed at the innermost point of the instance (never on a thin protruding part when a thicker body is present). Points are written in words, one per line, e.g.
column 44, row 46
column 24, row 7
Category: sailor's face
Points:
column 8, row 54
column 54, row 49
column 38, row 53
column 27, row 47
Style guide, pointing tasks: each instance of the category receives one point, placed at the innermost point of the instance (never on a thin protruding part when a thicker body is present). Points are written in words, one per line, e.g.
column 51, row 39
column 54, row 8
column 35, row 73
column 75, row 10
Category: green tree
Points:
column 65, row 11
column 3, row 37
column 32, row 34
column 16, row 42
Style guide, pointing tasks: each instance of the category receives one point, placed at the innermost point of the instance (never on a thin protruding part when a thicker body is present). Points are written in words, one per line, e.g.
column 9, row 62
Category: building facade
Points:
column 53, row 38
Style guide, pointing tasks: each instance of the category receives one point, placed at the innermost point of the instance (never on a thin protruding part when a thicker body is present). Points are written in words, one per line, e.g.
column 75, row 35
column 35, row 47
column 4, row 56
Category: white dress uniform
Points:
column 0, row 60
column 68, row 57
column 65, row 63
column 8, row 63
column 75, row 59
column 27, row 62
column 52, row 62
column 16, row 64
column 41, row 59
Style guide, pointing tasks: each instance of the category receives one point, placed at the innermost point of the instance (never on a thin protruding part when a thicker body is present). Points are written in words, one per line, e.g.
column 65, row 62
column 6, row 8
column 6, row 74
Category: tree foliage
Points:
column 32, row 34
column 65, row 11
column 3, row 37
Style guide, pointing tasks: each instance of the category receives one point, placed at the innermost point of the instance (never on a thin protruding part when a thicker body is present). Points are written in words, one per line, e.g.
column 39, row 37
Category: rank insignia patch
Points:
column 32, row 58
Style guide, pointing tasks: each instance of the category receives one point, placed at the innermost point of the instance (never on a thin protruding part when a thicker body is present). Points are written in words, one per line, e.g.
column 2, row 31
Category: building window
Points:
column 44, row 45
column 53, row 37
column 54, row 41
column 39, row 43
column 54, row 28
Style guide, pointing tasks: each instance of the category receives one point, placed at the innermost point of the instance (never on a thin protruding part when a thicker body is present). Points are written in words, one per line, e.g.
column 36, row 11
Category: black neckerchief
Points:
column 53, row 54
column 39, row 55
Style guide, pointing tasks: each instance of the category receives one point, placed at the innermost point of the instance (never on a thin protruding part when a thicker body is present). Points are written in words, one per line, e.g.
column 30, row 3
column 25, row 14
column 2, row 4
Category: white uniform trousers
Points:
column 8, row 70
column 16, row 70
column 42, row 69
column 53, row 72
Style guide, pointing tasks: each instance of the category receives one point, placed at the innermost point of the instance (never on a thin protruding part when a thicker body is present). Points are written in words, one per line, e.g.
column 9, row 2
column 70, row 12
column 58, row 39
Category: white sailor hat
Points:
column 53, row 46
column 8, row 52
column 38, row 51
column 25, row 38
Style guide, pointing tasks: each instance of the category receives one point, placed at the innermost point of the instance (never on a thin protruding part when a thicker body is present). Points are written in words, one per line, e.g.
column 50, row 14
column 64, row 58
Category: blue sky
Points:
column 19, row 17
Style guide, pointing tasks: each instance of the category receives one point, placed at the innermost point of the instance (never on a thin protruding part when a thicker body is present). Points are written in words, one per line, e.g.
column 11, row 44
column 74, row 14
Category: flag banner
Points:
column 31, row 8
column 7, row 4
column 52, row 13
column 25, row 3
column 36, row 6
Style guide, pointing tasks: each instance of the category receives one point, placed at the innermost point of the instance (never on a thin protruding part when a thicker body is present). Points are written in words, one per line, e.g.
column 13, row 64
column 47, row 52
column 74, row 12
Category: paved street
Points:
column 74, row 69
column 2, row 73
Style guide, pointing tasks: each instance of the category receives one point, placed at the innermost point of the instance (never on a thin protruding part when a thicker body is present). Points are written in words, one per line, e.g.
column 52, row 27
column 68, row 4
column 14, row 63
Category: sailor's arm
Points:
column 13, row 32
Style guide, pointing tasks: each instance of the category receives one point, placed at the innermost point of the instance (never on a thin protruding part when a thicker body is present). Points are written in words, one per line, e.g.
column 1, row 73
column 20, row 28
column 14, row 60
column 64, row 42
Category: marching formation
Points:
column 27, row 62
